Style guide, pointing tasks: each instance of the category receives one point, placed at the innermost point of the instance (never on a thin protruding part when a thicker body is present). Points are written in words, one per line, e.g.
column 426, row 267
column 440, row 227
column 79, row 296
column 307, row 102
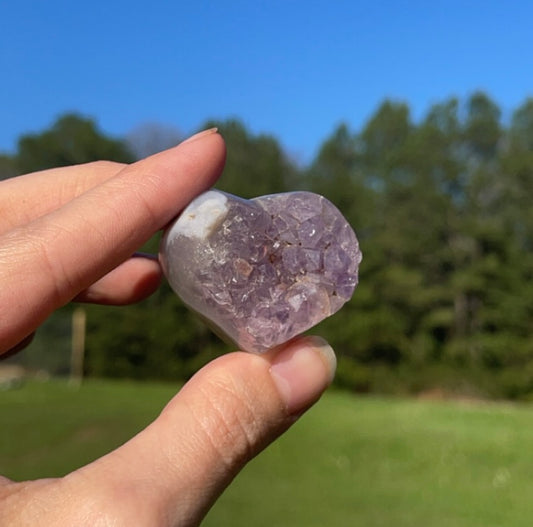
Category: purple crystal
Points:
column 261, row 271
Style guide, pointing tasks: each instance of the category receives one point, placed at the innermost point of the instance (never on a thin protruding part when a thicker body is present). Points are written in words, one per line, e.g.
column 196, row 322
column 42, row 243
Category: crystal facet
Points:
column 261, row 271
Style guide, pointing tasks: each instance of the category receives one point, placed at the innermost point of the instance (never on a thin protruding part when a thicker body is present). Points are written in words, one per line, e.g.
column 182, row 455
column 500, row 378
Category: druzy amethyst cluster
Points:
column 261, row 271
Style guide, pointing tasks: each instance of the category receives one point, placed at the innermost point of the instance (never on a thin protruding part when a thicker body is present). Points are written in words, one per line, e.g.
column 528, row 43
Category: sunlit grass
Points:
column 349, row 461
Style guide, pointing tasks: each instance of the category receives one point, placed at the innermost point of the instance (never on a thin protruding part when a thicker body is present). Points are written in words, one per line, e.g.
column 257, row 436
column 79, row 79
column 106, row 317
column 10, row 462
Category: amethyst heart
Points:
column 261, row 271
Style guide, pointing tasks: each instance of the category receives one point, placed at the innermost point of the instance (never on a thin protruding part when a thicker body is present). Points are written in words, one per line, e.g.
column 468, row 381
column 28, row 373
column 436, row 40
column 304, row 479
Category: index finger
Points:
column 48, row 262
column 25, row 198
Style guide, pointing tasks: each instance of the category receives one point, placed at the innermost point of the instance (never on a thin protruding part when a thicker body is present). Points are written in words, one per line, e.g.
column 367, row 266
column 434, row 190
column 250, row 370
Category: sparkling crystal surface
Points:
column 261, row 271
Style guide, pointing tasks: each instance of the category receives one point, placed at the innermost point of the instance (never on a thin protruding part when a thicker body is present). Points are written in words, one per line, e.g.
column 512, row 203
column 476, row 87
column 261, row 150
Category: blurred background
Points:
column 416, row 120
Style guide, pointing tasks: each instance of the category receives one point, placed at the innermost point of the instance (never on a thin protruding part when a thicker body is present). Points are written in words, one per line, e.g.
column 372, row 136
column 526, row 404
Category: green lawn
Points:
column 350, row 461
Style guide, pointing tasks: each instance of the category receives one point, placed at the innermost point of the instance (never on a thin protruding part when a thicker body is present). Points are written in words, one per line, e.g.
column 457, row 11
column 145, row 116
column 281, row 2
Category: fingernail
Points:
column 302, row 371
column 199, row 135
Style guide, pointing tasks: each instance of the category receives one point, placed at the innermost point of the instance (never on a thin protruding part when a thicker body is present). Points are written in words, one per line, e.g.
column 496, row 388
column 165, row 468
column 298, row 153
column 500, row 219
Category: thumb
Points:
column 173, row 471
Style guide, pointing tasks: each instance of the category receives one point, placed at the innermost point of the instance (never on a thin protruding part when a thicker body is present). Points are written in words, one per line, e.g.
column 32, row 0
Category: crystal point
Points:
column 261, row 271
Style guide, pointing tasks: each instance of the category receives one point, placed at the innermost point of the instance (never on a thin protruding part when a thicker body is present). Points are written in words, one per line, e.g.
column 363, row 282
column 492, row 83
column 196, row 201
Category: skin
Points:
column 71, row 234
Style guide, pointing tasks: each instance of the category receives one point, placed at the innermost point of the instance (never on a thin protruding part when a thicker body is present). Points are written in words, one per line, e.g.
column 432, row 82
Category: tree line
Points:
column 442, row 210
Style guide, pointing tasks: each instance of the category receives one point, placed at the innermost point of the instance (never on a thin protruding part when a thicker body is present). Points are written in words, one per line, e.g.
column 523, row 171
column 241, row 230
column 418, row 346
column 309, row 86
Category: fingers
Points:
column 25, row 198
column 132, row 281
column 24, row 343
column 222, row 418
column 48, row 262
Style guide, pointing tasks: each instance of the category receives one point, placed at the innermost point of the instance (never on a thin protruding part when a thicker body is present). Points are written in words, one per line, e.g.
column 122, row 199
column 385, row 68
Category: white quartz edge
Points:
column 201, row 216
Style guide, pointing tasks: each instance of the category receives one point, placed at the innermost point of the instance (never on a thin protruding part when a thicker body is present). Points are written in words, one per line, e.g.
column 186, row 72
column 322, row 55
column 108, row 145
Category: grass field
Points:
column 349, row 462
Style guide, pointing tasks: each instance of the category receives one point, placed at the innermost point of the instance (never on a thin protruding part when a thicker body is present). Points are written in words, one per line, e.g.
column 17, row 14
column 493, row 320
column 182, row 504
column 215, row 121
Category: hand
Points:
column 70, row 233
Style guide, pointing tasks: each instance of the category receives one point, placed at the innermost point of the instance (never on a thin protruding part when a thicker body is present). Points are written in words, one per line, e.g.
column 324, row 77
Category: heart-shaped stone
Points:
column 261, row 271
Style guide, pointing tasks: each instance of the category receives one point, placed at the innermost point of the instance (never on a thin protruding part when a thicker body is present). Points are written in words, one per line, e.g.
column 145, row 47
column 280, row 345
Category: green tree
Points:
column 71, row 140
column 442, row 211
column 482, row 130
column 7, row 167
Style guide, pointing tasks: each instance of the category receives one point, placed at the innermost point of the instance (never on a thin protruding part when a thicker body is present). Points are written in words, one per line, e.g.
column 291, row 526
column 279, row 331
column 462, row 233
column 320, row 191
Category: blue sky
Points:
column 294, row 69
